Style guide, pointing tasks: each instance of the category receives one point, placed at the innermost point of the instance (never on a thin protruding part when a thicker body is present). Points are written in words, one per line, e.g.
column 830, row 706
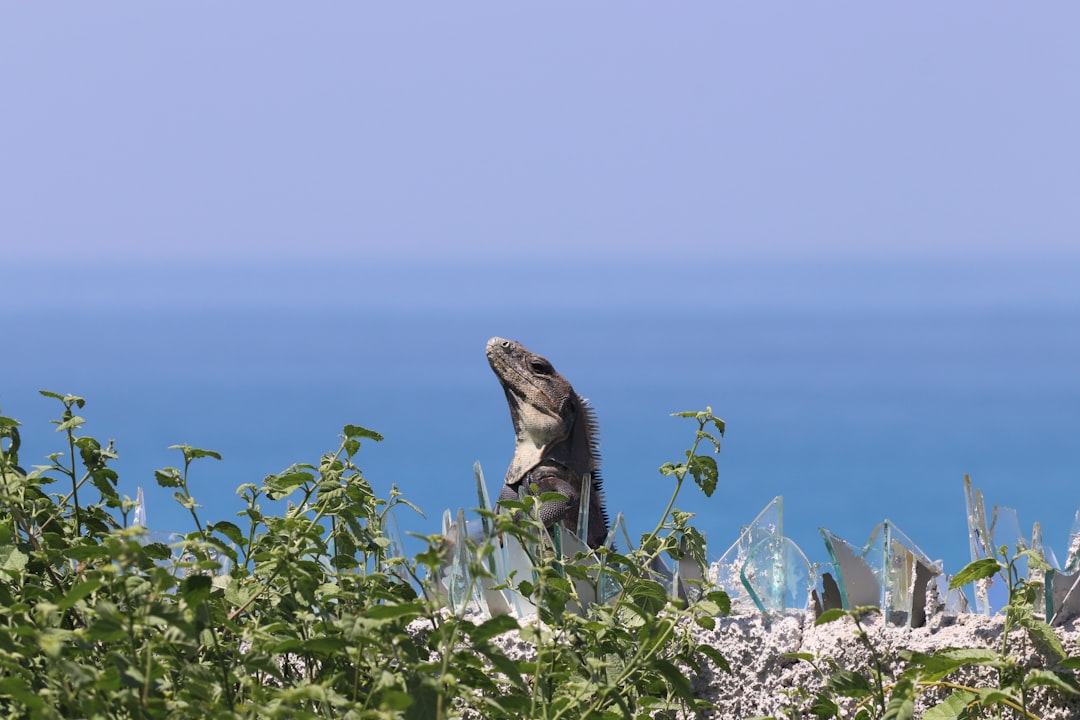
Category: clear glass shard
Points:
column 910, row 572
column 985, row 537
column 512, row 566
column 859, row 570
column 571, row 547
column 727, row 571
column 482, row 496
column 1037, row 545
column 396, row 548
column 139, row 516
column 777, row 576
column 583, row 505
column 830, row 598
column 688, row 575
column 1072, row 555
column 616, row 526
column 607, row 586
column 1062, row 599
column 462, row 589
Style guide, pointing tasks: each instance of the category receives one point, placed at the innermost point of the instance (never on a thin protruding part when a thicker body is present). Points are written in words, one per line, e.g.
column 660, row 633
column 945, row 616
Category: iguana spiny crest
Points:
column 556, row 439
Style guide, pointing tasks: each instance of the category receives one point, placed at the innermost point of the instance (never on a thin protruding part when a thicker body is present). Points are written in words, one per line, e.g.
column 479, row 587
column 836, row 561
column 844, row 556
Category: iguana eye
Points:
column 541, row 366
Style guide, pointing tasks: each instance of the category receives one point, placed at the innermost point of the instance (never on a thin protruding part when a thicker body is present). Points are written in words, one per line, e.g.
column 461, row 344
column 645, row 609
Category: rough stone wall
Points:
column 764, row 683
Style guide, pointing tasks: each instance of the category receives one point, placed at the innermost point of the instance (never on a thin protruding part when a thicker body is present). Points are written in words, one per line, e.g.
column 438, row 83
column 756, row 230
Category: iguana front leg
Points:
column 552, row 511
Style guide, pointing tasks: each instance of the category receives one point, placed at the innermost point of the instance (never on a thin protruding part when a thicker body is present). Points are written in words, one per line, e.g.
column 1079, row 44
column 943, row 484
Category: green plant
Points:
column 303, row 609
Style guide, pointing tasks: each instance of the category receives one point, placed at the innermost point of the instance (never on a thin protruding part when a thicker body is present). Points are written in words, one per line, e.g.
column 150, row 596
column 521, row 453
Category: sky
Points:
column 358, row 160
column 269, row 133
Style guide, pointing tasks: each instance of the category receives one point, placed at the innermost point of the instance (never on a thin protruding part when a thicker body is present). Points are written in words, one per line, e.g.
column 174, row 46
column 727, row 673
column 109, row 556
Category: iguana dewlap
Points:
column 556, row 440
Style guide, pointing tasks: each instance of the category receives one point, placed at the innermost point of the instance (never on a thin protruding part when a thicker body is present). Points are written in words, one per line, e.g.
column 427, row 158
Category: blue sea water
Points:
column 853, row 406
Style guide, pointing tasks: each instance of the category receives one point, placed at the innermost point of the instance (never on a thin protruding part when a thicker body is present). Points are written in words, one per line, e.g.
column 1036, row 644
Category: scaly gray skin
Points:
column 556, row 438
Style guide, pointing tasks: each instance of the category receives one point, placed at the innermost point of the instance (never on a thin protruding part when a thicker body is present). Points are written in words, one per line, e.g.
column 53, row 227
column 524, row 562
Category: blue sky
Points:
column 274, row 133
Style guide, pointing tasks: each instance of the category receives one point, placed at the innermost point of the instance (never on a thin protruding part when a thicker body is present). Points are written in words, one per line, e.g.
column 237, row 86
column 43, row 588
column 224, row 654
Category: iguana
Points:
column 556, row 438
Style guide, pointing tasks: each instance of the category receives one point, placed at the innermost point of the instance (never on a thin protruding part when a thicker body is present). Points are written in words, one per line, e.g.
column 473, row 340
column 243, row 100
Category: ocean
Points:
column 854, row 403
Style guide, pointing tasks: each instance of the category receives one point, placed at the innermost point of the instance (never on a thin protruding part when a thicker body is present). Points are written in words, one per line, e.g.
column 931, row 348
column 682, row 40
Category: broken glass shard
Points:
column 463, row 592
column 396, row 548
column 1072, row 555
column 583, row 505
column 1062, row 596
column 777, row 576
column 858, row 570
column 986, row 535
column 727, row 571
column 910, row 573
column 889, row 572
column 139, row 516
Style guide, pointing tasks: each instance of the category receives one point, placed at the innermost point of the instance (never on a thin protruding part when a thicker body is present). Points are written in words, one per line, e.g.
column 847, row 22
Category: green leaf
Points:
column 902, row 708
column 286, row 481
column 1070, row 663
column 1043, row 636
column 50, row 394
column 947, row 660
column 830, row 616
column 996, row 696
column 722, row 600
column 1049, row 678
column 191, row 453
column 705, row 473
column 196, row 588
column 229, row 530
column 954, row 707
column 352, row 446
column 497, row 625
column 186, row 501
column 12, row 558
column 169, row 477
column 675, row 678
column 394, row 700
column 356, row 431
column 977, row 570
column 808, row 657
column 715, row 655
column 849, row 684
column 552, row 497
column 393, row 610
column 78, row 592
column 650, row 597
column 70, row 424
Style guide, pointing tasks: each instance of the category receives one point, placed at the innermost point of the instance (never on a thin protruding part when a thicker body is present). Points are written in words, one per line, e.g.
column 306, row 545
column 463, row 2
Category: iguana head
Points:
column 541, row 402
